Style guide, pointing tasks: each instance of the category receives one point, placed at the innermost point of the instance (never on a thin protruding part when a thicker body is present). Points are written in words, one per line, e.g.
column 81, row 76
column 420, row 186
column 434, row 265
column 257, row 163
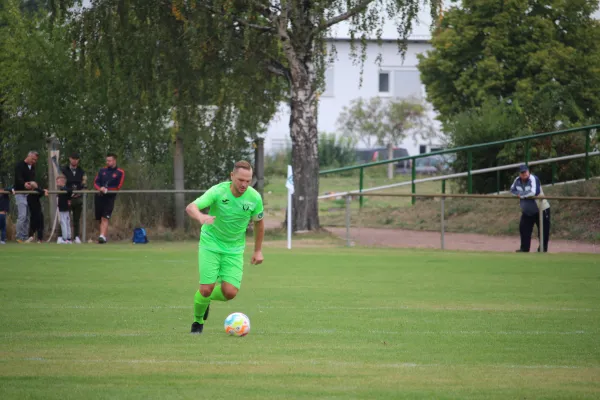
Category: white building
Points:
column 396, row 78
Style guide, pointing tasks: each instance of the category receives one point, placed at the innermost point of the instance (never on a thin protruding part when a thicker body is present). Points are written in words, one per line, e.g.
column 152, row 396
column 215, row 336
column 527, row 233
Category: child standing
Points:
column 4, row 208
column 64, row 206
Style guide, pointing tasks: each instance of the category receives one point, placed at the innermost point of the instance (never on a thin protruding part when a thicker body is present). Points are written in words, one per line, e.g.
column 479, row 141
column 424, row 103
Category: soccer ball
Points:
column 237, row 324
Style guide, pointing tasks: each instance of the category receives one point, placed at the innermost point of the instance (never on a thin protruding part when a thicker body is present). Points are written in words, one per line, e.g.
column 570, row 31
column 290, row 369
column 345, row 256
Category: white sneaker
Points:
column 77, row 240
column 2, row 242
column 30, row 240
column 60, row 241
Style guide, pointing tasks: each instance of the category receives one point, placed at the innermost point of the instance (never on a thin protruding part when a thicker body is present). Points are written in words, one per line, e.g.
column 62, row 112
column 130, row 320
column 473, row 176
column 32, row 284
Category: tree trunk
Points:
column 179, row 183
column 259, row 165
column 305, row 156
column 390, row 171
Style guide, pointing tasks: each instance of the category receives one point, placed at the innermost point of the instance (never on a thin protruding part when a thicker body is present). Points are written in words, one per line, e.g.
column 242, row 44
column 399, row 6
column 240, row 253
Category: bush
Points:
column 276, row 164
column 493, row 121
column 496, row 121
column 335, row 152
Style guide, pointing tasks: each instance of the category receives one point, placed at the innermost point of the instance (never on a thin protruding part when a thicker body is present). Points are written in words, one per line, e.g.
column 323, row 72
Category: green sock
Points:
column 217, row 294
column 200, row 305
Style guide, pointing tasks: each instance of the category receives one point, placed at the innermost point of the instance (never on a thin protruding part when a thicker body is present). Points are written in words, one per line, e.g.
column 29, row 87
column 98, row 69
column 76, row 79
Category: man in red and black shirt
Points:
column 108, row 182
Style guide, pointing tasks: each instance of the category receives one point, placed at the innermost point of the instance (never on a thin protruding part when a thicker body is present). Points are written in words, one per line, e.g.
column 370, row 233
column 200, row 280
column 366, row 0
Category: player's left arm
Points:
column 259, row 233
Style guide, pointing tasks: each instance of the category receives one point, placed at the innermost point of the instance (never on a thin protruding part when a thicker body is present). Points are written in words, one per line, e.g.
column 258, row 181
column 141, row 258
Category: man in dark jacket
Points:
column 527, row 186
column 76, row 180
column 108, row 182
column 24, row 180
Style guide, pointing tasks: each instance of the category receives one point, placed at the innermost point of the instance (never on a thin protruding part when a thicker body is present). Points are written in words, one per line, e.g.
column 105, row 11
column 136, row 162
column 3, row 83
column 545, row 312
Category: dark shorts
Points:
column 104, row 206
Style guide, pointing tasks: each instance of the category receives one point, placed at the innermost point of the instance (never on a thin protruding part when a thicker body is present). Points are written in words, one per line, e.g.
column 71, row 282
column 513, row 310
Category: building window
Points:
column 328, row 91
column 422, row 149
column 407, row 85
column 384, row 82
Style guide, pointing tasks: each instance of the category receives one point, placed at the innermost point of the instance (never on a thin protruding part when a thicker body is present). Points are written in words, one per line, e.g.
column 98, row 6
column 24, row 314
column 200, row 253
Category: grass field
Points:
column 91, row 322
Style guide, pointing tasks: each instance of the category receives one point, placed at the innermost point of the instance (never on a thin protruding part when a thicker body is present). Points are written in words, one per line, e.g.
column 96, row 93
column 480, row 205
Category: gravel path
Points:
column 454, row 241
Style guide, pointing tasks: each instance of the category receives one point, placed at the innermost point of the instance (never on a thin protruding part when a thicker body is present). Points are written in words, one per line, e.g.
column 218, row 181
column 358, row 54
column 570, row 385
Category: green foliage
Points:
column 382, row 121
column 506, row 69
column 128, row 80
column 492, row 121
column 336, row 151
column 276, row 163
column 542, row 55
column 495, row 121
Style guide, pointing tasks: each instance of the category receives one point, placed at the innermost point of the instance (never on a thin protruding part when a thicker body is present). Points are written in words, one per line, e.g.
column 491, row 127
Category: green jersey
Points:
column 227, row 234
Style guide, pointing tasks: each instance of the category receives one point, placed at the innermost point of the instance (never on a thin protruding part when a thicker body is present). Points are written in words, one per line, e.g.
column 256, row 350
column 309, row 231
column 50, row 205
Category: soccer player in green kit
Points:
column 223, row 239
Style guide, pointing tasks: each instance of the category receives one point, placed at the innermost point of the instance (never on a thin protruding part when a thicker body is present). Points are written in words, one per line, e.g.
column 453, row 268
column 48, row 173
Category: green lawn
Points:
column 89, row 322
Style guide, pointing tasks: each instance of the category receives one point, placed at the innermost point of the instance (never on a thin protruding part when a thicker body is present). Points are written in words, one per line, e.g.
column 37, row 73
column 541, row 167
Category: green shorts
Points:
column 215, row 267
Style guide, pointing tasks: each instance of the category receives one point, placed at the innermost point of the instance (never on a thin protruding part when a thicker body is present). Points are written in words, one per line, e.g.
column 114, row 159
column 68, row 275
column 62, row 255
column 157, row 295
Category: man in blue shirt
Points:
column 108, row 182
column 527, row 186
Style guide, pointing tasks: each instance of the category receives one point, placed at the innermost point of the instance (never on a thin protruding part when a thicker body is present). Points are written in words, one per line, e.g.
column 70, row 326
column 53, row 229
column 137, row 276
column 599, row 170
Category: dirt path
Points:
column 453, row 241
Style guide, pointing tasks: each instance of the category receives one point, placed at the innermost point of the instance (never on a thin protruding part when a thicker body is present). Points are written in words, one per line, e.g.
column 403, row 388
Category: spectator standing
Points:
column 64, row 205
column 527, row 186
column 37, row 215
column 108, row 182
column 24, row 180
column 76, row 180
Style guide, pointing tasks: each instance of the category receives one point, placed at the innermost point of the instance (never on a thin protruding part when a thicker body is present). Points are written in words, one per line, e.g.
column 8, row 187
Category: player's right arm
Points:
column 202, row 202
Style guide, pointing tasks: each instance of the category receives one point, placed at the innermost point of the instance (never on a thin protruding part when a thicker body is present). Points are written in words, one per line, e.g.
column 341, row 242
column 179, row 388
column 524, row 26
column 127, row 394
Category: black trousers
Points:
column 36, row 218
column 526, row 228
column 76, row 208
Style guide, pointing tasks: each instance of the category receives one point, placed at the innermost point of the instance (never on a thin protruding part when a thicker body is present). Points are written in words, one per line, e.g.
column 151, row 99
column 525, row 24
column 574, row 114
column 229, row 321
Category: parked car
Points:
column 378, row 154
column 434, row 164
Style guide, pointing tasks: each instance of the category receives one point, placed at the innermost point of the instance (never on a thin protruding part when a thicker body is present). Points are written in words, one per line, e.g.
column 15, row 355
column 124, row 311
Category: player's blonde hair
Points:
column 242, row 165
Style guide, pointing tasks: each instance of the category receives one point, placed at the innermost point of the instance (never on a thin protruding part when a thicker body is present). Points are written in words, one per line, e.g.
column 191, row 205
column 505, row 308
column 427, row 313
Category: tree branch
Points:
column 241, row 21
column 344, row 16
column 278, row 68
column 265, row 8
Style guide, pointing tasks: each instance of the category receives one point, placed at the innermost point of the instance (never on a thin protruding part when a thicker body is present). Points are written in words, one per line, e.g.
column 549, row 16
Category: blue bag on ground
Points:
column 139, row 236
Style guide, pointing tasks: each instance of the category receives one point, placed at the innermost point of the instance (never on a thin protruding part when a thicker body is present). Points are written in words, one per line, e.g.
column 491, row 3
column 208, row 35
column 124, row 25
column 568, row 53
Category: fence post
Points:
column 469, row 176
column 360, row 186
column 527, row 153
column 348, row 220
column 541, row 225
column 587, row 157
column 84, row 222
column 442, row 223
column 413, row 177
column 553, row 173
column 443, row 186
column 53, row 148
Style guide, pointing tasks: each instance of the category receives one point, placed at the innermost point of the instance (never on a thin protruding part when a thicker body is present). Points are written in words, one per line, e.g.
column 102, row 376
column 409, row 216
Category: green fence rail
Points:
column 586, row 130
